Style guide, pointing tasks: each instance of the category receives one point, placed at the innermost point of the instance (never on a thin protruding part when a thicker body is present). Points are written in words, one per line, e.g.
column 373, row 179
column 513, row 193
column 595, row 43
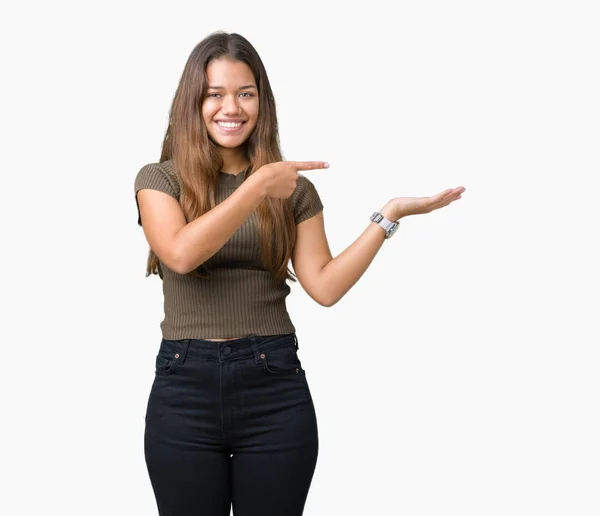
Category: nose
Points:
column 230, row 105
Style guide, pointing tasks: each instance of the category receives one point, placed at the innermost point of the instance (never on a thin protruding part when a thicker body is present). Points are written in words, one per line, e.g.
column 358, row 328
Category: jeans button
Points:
column 226, row 350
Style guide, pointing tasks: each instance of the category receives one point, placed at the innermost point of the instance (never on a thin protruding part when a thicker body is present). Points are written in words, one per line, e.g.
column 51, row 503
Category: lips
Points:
column 232, row 129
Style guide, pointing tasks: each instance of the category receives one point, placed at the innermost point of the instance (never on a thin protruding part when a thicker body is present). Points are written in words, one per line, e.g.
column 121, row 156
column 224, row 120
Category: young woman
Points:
column 230, row 418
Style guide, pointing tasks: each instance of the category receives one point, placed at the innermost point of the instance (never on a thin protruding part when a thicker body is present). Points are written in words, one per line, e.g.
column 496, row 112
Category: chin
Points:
column 229, row 145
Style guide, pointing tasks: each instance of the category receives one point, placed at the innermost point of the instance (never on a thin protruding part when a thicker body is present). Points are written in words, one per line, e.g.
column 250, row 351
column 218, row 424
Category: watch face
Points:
column 393, row 229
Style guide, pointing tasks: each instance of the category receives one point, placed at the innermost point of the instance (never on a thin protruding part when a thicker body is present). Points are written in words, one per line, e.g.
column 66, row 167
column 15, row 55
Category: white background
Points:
column 460, row 375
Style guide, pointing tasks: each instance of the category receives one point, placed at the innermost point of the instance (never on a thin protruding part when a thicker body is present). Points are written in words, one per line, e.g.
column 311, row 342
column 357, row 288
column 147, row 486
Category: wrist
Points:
column 257, row 183
column 389, row 212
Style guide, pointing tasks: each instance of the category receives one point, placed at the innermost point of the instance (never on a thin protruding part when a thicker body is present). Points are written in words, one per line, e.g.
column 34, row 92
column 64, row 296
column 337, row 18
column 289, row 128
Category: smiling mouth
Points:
column 229, row 127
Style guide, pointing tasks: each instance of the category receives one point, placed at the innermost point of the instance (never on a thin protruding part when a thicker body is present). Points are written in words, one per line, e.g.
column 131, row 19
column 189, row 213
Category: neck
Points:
column 234, row 160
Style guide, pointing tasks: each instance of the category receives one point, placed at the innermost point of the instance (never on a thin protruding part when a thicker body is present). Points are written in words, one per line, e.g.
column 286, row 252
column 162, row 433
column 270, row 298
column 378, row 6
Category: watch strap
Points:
column 388, row 226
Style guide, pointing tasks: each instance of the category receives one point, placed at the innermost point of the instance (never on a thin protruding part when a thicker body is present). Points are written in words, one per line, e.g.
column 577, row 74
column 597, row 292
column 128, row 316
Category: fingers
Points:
column 458, row 190
column 445, row 198
column 440, row 198
column 309, row 165
column 445, row 193
column 451, row 192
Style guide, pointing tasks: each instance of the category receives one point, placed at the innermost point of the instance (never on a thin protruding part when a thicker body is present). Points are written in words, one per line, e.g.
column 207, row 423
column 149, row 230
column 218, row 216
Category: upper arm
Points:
column 311, row 250
column 158, row 207
column 311, row 253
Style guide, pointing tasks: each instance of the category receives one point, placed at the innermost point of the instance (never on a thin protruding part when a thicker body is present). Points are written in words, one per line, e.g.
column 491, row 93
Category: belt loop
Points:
column 296, row 341
column 185, row 345
column 252, row 338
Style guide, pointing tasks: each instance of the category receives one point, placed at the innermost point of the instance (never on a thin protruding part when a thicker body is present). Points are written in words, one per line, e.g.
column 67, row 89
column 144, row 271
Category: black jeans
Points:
column 230, row 423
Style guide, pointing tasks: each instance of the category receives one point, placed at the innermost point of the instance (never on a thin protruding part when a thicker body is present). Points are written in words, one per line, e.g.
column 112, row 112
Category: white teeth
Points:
column 229, row 124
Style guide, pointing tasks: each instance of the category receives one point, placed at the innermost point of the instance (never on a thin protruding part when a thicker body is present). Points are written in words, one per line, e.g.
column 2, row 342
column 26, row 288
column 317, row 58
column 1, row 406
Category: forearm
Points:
column 342, row 273
column 197, row 241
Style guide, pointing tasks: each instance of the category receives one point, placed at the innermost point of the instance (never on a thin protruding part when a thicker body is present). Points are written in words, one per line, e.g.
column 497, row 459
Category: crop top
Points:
column 240, row 296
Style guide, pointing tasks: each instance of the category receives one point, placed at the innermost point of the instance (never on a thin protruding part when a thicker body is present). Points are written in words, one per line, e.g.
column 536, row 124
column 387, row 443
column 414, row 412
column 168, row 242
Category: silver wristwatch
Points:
column 389, row 226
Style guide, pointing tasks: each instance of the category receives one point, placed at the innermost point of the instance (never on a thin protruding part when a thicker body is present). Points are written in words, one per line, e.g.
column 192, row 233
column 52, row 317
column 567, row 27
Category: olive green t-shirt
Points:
column 239, row 297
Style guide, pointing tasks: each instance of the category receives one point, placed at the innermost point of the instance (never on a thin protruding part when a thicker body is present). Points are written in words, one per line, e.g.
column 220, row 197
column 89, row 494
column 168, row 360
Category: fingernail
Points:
column 326, row 165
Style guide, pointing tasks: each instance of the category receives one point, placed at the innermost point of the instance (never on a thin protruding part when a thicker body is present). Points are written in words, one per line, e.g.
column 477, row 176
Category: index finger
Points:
column 309, row 165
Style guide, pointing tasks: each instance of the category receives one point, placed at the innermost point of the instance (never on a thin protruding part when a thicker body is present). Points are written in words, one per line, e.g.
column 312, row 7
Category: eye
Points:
column 245, row 93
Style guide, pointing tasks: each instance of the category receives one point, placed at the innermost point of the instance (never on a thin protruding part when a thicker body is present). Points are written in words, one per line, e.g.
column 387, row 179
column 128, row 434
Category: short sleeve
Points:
column 154, row 177
column 305, row 200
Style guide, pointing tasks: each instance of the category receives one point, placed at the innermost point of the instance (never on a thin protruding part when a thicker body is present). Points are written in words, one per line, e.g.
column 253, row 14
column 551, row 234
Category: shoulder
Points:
column 158, row 176
column 304, row 186
column 305, row 200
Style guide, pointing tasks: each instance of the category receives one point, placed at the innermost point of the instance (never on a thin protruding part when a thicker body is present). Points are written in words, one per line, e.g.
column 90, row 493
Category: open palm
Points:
column 404, row 206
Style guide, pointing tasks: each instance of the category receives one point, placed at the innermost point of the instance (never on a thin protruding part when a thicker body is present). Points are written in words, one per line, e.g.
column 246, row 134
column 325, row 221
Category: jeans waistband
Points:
column 226, row 350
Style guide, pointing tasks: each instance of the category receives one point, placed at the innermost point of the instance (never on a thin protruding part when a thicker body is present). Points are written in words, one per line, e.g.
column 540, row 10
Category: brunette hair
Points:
column 198, row 162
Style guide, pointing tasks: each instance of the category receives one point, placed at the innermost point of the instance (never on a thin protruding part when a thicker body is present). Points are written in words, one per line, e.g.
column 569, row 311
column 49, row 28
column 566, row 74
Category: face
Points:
column 230, row 107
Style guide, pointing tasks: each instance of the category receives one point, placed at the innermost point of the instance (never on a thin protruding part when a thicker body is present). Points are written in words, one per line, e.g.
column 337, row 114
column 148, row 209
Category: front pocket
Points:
column 164, row 365
column 283, row 360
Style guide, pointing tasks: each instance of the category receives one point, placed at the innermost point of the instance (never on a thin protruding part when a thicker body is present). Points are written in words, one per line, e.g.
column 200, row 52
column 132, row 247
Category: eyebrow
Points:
column 247, row 87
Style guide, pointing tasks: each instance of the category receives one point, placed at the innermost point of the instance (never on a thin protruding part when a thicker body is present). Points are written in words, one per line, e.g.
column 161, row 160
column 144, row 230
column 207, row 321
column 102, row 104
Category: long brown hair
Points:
column 198, row 162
